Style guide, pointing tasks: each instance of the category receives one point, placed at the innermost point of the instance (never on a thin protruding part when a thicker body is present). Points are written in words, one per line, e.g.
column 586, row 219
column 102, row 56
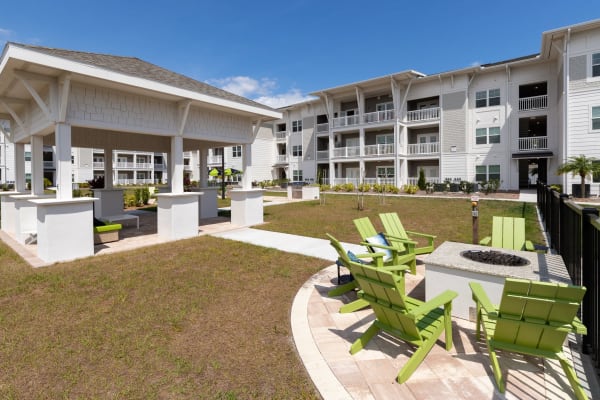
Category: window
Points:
column 487, row 172
column 237, row 151
column 27, row 156
column 487, row 98
column 487, row 135
column 596, row 175
column 297, row 126
column 596, row 118
column 596, row 64
column 388, row 138
column 297, row 175
column 297, row 150
column 385, row 172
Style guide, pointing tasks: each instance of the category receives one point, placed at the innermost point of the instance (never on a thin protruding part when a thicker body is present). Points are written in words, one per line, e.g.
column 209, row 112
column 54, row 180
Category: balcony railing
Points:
column 323, row 128
column 380, row 181
column 322, row 154
column 413, row 180
column 533, row 143
column 281, row 159
column 424, row 148
column 425, row 114
column 379, row 149
column 281, row 135
column 159, row 166
column 129, row 181
column 143, row 165
column 533, row 103
column 345, row 152
column 348, row 120
column 120, row 164
column 214, row 159
column 379, row 116
column 98, row 165
column 49, row 164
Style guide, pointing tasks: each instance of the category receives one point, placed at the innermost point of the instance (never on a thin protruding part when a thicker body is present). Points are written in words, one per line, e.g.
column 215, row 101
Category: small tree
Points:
column 582, row 166
column 421, row 182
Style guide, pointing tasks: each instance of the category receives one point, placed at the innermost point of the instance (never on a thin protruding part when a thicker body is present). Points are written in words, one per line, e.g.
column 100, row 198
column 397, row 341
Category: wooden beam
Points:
column 256, row 128
column 41, row 104
column 184, row 115
column 14, row 100
column 32, row 76
column 13, row 114
column 64, row 98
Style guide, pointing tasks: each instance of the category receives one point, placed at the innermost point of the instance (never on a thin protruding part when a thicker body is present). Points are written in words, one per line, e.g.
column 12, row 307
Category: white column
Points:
column 108, row 168
column 63, row 163
column 247, row 166
column 37, row 165
column 203, row 167
column 176, row 164
column 19, row 167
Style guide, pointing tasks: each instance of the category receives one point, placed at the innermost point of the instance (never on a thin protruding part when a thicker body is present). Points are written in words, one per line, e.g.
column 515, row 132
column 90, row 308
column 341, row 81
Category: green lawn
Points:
column 203, row 318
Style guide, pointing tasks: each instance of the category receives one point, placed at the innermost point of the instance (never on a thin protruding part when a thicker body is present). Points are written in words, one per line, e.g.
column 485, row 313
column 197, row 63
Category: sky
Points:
column 278, row 52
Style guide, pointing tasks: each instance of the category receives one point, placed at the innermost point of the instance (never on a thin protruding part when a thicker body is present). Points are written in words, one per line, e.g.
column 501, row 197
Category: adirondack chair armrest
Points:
column 485, row 241
column 578, row 327
column 379, row 246
column 479, row 296
column 425, row 235
column 438, row 301
column 399, row 239
column 395, row 268
column 529, row 245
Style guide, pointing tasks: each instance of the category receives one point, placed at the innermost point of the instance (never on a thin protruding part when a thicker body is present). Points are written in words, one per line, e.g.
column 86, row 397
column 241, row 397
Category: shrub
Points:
column 467, row 187
column 557, row 188
column 421, row 183
column 348, row 187
column 411, row 189
column 378, row 188
column 490, row 186
column 130, row 200
column 364, row 187
column 325, row 188
column 97, row 182
column 392, row 189
column 76, row 193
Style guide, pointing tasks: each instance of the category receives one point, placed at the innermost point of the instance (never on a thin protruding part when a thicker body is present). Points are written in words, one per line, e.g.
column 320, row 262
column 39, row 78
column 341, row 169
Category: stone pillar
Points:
column 62, row 139
column 176, row 164
column 19, row 167
column 247, row 166
column 37, row 165
column 203, row 179
column 108, row 168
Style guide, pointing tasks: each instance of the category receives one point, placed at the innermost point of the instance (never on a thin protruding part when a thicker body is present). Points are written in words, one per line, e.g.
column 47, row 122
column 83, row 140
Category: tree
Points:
column 582, row 166
column 421, row 183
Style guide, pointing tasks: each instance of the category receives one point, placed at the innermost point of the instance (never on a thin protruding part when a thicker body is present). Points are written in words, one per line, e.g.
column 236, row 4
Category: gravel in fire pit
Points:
column 495, row 258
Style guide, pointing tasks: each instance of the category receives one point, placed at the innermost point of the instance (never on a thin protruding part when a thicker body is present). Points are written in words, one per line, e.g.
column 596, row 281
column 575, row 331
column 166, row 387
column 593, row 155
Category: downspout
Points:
column 566, row 82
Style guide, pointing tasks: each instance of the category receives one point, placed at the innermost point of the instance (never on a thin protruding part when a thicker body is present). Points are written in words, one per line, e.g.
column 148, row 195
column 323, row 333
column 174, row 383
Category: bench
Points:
column 121, row 217
column 106, row 233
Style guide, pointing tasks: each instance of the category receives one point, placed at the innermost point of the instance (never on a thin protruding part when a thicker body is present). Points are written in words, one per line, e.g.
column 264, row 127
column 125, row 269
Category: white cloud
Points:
column 261, row 90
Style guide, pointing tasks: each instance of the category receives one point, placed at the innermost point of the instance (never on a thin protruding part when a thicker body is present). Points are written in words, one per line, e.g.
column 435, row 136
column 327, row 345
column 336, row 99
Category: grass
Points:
column 199, row 318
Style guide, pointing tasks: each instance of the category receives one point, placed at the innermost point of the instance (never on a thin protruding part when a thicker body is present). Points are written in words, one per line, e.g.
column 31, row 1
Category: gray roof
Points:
column 133, row 66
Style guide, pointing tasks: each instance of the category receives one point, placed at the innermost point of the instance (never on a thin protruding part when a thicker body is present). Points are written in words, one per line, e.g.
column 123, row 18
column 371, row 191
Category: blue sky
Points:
column 277, row 52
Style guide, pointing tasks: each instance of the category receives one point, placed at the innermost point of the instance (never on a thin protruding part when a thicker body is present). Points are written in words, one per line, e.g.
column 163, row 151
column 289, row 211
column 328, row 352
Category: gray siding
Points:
column 577, row 67
column 308, row 122
column 371, row 103
column 453, row 121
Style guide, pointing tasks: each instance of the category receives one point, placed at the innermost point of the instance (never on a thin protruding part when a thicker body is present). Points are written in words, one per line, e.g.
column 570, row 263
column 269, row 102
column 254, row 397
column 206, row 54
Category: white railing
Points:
column 49, row 164
column 343, row 181
column 379, row 149
column 425, row 114
column 345, row 152
column 424, row 148
column 323, row 128
column 143, row 165
column 214, row 159
column 533, row 143
column 349, row 120
column 124, row 181
column 281, row 158
column 379, row 116
column 322, row 154
column 282, row 135
column 124, row 165
column 98, row 165
column 159, row 166
column 533, row 103
column 413, row 180
column 380, row 181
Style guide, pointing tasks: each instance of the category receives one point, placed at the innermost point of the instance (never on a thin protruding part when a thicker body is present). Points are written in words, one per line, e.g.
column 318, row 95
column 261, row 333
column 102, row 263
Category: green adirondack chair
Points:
column 411, row 320
column 394, row 229
column 533, row 318
column 396, row 249
column 375, row 259
column 508, row 233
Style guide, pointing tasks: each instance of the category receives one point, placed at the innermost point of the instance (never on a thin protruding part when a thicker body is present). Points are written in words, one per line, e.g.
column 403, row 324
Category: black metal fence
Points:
column 574, row 233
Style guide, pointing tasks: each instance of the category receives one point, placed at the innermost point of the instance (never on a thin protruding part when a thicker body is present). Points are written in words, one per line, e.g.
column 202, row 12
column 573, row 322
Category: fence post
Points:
column 589, row 279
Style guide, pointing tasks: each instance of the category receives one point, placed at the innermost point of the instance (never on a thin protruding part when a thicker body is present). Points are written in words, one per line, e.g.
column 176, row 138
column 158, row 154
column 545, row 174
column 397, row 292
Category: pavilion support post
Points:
column 247, row 203
column 203, row 175
column 19, row 167
column 108, row 168
column 64, row 189
column 247, row 166
column 37, row 165
column 176, row 164
column 207, row 202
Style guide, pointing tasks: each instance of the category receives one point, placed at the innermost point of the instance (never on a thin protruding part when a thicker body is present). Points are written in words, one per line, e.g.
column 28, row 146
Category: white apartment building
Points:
column 515, row 121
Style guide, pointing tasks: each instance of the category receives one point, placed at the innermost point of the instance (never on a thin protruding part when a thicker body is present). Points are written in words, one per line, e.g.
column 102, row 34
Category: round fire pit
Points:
column 495, row 257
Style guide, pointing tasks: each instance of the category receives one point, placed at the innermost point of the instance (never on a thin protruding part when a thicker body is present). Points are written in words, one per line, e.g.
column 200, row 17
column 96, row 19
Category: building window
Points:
column 487, row 173
column 27, row 156
column 596, row 175
column 487, row 98
column 489, row 135
column 237, row 151
column 297, row 175
column 297, row 150
column 385, row 172
column 596, row 64
column 387, row 138
column 596, row 118
column 297, row 126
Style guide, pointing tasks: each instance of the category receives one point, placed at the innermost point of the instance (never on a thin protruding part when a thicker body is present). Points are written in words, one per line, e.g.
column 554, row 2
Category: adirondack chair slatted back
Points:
column 508, row 233
column 365, row 227
column 392, row 225
column 386, row 296
column 342, row 254
column 531, row 314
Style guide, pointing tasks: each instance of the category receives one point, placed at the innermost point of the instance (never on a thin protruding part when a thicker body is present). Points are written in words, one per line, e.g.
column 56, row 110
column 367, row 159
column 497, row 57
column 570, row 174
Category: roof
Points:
column 136, row 67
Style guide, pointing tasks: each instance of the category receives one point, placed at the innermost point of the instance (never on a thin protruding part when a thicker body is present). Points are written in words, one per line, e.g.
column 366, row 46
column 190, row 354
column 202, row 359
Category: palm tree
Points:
column 582, row 166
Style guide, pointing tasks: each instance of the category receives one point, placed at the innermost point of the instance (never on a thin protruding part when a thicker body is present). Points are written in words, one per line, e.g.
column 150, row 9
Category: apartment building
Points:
column 515, row 121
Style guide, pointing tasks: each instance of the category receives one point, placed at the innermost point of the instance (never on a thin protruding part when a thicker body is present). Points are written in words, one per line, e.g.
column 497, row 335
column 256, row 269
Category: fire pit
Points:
column 453, row 265
column 495, row 257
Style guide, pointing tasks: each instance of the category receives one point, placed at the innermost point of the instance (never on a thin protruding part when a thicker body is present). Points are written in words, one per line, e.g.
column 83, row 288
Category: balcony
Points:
column 533, row 103
column 322, row 155
column 98, row 165
column 414, row 180
column 281, row 136
column 215, row 160
column 159, row 166
column 424, row 148
column 49, row 165
column 423, row 115
column 346, row 152
column 124, row 165
column 323, row 128
column 379, row 149
column 533, row 143
column 281, row 159
column 379, row 116
column 143, row 165
column 349, row 120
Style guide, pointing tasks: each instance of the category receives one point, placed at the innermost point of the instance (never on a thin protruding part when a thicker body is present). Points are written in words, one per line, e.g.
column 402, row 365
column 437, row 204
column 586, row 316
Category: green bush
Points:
column 490, row 186
column 392, row 189
column 467, row 187
column 348, row 187
column 76, row 193
column 411, row 189
column 325, row 188
column 47, row 183
column 421, row 183
column 364, row 187
column 557, row 188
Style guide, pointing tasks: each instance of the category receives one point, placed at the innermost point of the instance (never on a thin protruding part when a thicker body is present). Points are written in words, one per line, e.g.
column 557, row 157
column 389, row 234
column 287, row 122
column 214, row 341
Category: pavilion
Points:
column 66, row 99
